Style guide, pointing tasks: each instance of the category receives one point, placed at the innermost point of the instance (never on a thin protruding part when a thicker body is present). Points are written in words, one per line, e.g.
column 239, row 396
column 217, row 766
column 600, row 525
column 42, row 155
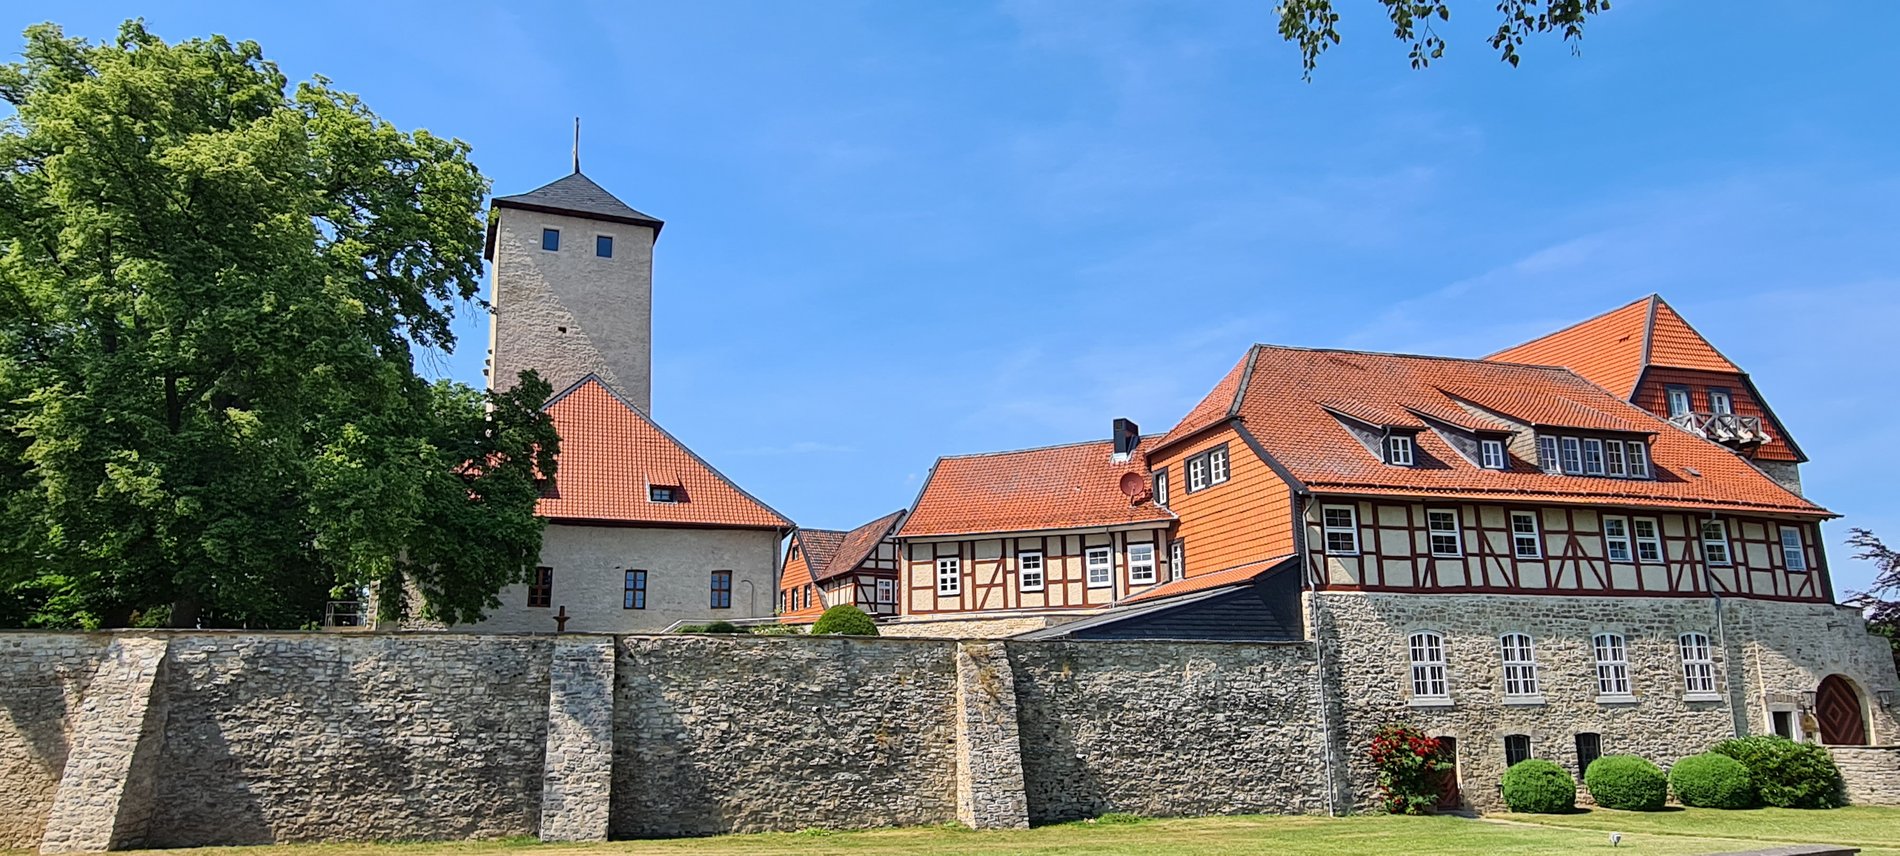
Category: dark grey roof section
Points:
column 1265, row 610
column 579, row 195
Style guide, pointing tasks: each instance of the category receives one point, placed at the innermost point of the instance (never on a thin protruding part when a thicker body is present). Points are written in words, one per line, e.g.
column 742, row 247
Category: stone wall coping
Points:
column 722, row 638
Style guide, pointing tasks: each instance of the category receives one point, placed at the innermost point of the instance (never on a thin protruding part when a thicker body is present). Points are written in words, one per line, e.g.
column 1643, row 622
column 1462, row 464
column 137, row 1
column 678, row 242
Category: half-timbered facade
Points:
column 828, row 567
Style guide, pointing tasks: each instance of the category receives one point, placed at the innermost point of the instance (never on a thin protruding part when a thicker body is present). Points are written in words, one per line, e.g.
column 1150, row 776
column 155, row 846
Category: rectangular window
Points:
column 1520, row 665
column 1573, row 455
column 1616, row 538
column 1517, row 749
column 1341, row 524
column 1715, row 542
column 541, row 590
column 1428, row 666
column 1100, row 567
column 1443, row 532
column 1197, row 473
column 1491, row 454
column 1217, row 465
column 886, row 591
column 550, row 239
column 1613, row 665
column 1525, row 541
column 636, row 593
column 1613, row 459
column 1648, row 541
column 1398, row 450
column 1678, row 400
column 949, row 576
column 1698, row 665
column 1547, row 455
column 722, row 590
column 1639, row 459
column 1207, row 469
column 1793, row 556
column 1593, row 457
column 1141, row 563
column 1589, row 749
column 662, row 493
column 1720, row 402
column 1784, row 723
column 1029, row 571
column 604, row 246
column 1161, row 487
column 1177, row 559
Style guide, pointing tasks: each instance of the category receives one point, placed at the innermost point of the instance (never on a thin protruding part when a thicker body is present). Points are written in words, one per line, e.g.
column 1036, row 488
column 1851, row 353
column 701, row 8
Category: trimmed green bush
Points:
column 1788, row 774
column 845, row 620
column 1712, row 780
column 723, row 627
column 1540, row 787
column 1627, row 782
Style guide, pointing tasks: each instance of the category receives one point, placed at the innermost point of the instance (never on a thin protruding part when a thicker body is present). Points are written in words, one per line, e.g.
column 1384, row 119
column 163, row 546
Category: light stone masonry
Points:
column 578, row 772
column 989, row 750
column 105, row 793
column 1872, row 773
column 43, row 681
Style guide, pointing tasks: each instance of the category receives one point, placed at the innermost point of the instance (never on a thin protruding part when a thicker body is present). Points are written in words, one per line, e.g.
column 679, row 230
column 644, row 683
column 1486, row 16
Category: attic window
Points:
column 664, row 493
column 1491, row 454
column 1398, row 450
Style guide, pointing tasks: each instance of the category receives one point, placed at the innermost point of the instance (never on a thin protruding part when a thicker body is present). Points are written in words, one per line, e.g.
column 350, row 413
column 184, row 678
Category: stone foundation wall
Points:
column 1872, row 773
column 42, row 680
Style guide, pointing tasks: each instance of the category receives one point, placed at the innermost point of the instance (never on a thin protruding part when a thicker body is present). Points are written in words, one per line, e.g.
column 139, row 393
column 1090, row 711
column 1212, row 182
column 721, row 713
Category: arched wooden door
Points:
column 1837, row 707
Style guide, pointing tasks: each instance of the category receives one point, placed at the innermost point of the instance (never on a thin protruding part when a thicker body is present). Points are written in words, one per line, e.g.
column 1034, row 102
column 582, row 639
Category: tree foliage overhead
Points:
column 1881, row 601
column 1313, row 25
column 212, row 286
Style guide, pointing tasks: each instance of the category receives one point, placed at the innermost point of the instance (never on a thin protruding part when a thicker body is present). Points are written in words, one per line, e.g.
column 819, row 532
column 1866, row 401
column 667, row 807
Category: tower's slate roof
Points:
column 579, row 195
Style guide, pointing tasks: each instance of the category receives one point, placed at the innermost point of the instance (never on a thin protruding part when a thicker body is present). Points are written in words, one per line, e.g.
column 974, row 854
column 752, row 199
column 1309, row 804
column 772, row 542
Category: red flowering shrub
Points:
column 1411, row 766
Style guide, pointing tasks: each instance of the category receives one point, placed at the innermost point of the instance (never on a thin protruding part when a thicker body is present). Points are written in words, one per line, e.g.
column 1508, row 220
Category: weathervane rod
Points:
column 577, row 144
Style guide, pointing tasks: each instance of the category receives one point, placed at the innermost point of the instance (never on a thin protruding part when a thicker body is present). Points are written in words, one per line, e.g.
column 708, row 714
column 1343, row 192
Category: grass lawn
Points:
column 1291, row 836
column 1876, row 831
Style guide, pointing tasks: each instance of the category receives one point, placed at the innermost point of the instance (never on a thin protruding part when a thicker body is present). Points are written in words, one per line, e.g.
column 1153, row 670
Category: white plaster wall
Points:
column 590, row 564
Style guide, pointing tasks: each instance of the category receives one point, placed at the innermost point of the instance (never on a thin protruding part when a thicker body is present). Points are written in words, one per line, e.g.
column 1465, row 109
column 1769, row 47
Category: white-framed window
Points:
column 1206, row 469
column 1526, row 543
column 1720, row 403
column 949, row 575
column 1442, row 530
column 1217, row 465
column 1547, row 455
column 1341, row 525
column 1520, row 665
column 1398, row 450
column 1161, row 487
column 1197, row 473
column 1593, row 457
column 1491, row 454
column 1100, row 564
column 1678, row 400
column 1715, row 542
column 1613, row 665
column 886, row 591
column 1793, row 556
column 1698, row 664
column 1573, row 455
column 1648, row 540
column 1177, row 559
column 1029, row 576
column 1616, row 538
column 1428, row 666
column 1613, row 459
column 1141, row 563
column 1639, row 459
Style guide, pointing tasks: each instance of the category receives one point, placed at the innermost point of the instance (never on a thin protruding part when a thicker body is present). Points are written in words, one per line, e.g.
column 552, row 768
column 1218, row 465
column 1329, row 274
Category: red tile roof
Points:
column 855, row 546
column 1612, row 349
column 1055, row 487
column 611, row 453
column 820, row 545
column 1188, row 585
column 1287, row 391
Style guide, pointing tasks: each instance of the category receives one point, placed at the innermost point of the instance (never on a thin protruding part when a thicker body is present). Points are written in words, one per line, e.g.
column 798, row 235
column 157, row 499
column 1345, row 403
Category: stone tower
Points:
column 573, row 288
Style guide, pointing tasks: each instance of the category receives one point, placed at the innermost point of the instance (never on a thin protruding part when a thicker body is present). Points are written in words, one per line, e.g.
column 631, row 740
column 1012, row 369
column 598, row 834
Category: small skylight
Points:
column 664, row 493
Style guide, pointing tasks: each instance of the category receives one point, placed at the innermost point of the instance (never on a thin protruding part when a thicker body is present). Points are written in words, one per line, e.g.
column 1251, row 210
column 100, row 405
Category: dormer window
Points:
column 663, row 493
column 1678, row 400
column 1720, row 402
column 1547, row 454
column 1491, row 454
column 1398, row 450
column 1572, row 455
column 1639, row 459
column 1593, row 457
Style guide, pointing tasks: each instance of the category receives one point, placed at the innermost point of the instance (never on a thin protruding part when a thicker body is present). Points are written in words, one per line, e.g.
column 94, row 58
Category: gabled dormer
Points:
column 1649, row 355
column 1390, row 438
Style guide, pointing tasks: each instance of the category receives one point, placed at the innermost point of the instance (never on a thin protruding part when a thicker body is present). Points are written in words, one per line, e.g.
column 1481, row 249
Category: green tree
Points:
column 1881, row 601
column 1313, row 25
column 212, row 289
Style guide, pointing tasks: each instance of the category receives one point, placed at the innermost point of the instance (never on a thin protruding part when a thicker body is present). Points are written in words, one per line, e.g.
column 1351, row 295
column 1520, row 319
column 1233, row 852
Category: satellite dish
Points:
column 1133, row 485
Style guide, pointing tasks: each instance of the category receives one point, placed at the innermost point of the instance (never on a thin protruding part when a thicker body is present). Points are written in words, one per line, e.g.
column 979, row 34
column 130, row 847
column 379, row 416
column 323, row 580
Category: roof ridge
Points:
column 1106, row 441
column 1400, row 354
column 1565, row 329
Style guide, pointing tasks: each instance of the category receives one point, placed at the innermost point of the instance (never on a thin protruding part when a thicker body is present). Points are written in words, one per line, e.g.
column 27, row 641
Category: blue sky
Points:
column 897, row 230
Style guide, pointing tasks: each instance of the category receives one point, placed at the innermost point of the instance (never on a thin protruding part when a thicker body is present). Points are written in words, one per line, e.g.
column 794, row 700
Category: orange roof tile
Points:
column 820, row 545
column 855, row 546
column 1217, row 406
column 1230, row 577
column 611, row 453
column 1283, row 403
column 1055, row 487
column 1612, row 349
